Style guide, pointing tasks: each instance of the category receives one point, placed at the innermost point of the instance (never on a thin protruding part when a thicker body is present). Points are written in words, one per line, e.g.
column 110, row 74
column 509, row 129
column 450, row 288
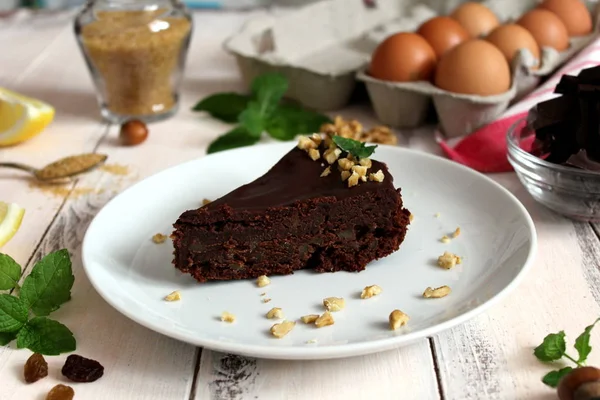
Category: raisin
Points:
column 35, row 368
column 61, row 392
column 81, row 369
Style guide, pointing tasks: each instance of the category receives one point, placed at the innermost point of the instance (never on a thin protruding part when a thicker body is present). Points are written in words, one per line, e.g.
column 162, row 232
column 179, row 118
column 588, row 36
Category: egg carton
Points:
column 324, row 49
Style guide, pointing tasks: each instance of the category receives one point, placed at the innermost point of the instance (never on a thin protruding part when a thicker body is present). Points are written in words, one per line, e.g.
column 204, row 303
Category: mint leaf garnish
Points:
column 10, row 272
column 237, row 137
column 13, row 313
column 354, row 147
column 253, row 119
column 582, row 343
column 224, row 106
column 7, row 337
column 45, row 336
column 268, row 89
column 552, row 378
column 552, row 348
column 286, row 122
column 49, row 284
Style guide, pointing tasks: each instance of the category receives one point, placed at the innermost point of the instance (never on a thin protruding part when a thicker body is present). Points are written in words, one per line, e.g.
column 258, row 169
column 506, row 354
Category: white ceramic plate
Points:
column 133, row 274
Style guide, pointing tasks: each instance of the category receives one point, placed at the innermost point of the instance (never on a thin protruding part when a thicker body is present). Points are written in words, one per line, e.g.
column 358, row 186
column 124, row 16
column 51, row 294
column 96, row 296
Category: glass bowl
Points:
column 569, row 191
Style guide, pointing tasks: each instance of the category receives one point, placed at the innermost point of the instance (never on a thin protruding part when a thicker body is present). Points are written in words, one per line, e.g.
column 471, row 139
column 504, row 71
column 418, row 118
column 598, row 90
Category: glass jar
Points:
column 136, row 52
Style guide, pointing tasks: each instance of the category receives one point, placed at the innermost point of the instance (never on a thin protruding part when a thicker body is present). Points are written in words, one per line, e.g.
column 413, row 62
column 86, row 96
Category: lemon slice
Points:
column 11, row 216
column 21, row 117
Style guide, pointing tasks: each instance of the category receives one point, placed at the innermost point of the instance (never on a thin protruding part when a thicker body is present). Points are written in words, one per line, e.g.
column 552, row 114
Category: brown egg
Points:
column 443, row 33
column 511, row 38
column 403, row 57
column 474, row 67
column 476, row 18
column 573, row 13
column 546, row 28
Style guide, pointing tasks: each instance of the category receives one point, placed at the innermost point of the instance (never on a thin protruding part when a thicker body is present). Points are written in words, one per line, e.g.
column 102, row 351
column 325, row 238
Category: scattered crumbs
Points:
column 275, row 313
column 309, row 319
column 283, row 328
column 411, row 217
column 397, row 319
column 436, row 293
column 159, row 238
column 266, row 300
column 448, row 260
column 262, row 281
column 173, row 296
column 311, row 341
column 456, row 232
column 370, row 291
column 445, row 239
column 437, row 215
column 115, row 169
column 263, row 294
column 205, row 202
column 64, row 190
column 227, row 317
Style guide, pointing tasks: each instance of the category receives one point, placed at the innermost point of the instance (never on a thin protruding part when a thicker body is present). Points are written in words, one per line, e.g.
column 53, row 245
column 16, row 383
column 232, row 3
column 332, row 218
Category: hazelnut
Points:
column 580, row 384
column 133, row 132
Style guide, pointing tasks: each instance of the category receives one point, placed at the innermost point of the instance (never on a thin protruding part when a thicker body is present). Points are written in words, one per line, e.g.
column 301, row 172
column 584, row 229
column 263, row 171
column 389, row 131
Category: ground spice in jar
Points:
column 137, row 57
column 69, row 166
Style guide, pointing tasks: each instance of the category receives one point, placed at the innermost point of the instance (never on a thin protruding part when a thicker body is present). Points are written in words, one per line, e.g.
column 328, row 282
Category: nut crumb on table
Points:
column 456, row 232
column 445, row 239
column 324, row 320
column 263, row 281
column 173, row 296
column 370, row 291
column 448, row 260
column 281, row 329
column 159, row 238
column 397, row 319
column 310, row 318
column 275, row 313
column 334, row 304
column 227, row 317
column 266, row 300
column 437, row 293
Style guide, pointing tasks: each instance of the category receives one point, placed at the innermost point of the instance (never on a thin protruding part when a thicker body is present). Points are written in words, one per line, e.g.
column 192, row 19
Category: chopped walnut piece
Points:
column 345, row 164
column 263, row 294
column 326, row 172
column 448, row 260
column 328, row 128
column 370, row 291
column 305, row 143
column 353, row 179
column 360, row 170
column 266, row 300
column 334, row 303
column 316, row 137
column 310, row 318
column 159, row 238
column 205, row 202
column 262, row 281
column 366, row 162
column 437, row 293
column 377, row 176
column 227, row 317
column 445, row 239
column 275, row 313
column 345, row 175
column 283, row 328
column 397, row 319
column 411, row 217
column 332, row 154
column 380, row 134
column 173, row 296
column 324, row 320
column 456, row 232
column 314, row 154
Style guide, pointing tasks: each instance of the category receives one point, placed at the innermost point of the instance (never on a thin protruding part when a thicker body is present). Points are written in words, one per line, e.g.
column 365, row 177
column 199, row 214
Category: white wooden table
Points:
column 489, row 357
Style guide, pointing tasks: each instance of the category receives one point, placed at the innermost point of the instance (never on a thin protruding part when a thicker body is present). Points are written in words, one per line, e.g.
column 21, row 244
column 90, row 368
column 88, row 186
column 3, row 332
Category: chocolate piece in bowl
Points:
column 314, row 209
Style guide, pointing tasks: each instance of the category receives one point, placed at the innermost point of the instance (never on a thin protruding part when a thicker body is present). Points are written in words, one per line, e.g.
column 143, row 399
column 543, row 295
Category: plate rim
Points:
column 318, row 352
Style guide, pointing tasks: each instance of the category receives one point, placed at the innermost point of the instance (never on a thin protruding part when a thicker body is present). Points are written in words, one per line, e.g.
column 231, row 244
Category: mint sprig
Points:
column 45, row 290
column 260, row 111
column 554, row 348
column 356, row 148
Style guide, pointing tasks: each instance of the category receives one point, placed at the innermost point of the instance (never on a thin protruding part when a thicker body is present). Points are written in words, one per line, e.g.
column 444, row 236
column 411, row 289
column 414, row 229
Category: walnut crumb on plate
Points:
column 397, row 319
column 436, row 293
column 370, row 291
column 159, row 238
column 283, row 328
column 262, row 281
column 334, row 303
column 448, row 260
column 275, row 313
column 310, row 318
column 173, row 296
column 227, row 317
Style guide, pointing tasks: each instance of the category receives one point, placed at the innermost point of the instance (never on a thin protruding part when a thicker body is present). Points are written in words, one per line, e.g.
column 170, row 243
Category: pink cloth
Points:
column 485, row 149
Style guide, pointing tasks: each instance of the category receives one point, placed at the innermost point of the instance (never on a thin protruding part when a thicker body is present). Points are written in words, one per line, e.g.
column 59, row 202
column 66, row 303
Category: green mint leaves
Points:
column 10, row 272
column 354, row 147
column 44, row 290
column 260, row 111
column 554, row 347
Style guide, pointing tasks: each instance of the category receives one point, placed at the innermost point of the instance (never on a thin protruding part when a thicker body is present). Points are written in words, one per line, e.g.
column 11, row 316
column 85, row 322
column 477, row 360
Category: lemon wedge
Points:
column 21, row 117
column 11, row 216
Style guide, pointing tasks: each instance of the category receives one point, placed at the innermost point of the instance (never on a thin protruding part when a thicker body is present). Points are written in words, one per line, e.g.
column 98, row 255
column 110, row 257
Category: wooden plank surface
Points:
column 490, row 357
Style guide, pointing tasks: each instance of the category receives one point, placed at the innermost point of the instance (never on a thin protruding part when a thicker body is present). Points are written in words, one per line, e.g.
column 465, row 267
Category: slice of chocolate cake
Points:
column 318, row 208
